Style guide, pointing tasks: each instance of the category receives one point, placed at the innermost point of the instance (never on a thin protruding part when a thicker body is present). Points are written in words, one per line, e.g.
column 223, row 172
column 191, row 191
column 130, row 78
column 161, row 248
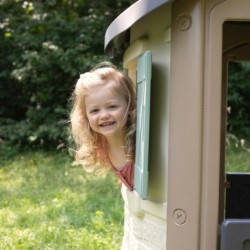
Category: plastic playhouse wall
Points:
column 184, row 204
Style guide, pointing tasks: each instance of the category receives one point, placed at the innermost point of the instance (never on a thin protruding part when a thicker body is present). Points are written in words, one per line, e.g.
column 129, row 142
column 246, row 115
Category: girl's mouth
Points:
column 106, row 124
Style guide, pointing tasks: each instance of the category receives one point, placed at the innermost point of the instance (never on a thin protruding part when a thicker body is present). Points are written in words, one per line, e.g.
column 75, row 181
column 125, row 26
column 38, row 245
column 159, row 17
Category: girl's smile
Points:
column 106, row 111
column 107, row 124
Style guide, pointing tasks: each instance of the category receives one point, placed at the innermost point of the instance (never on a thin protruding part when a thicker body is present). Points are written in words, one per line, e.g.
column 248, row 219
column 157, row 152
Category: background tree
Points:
column 44, row 46
column 239, row 99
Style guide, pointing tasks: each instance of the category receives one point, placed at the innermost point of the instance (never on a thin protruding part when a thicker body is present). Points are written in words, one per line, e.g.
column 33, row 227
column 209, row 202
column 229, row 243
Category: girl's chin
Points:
column 113, row 135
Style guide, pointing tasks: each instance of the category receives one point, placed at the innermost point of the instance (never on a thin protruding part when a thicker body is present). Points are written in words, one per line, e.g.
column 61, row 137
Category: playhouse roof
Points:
column 117, row 34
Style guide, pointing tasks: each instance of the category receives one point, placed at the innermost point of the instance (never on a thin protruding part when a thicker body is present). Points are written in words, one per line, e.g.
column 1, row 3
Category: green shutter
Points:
column 144, row 69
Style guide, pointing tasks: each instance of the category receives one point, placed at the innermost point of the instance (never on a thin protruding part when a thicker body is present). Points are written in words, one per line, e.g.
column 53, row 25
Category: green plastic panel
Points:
column 144, row 73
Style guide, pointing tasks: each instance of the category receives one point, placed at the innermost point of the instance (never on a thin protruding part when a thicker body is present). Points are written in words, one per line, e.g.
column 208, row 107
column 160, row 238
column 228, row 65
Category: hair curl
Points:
column 91, row 147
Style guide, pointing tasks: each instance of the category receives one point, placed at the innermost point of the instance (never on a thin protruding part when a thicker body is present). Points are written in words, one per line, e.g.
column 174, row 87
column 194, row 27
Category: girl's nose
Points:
column 105, row 115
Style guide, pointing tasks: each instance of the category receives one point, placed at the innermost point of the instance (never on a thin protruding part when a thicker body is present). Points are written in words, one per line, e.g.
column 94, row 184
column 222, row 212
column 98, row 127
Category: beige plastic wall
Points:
column 145, row 220
column 197, row 121
column 185, row 205
column 211, row 184
column 186, row 125
column 153, row 33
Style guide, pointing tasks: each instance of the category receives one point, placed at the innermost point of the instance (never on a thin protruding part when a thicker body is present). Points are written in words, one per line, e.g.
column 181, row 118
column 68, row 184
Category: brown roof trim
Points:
column 117, row 34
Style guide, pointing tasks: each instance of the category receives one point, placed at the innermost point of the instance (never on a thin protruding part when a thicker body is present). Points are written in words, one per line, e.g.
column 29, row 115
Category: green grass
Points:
column 46, row 204
column 237, row 159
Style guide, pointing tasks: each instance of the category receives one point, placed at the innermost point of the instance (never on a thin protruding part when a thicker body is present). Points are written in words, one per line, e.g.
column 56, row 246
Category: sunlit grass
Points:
column 47, row 204
column 237, row 158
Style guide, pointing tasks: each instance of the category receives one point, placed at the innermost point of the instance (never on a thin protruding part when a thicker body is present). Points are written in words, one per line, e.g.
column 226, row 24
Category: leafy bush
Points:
column 45, row 46
column 238, row 99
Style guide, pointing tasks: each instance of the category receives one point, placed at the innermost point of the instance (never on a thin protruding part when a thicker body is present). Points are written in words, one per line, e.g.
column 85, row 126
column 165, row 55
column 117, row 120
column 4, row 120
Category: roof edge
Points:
column 117, row 34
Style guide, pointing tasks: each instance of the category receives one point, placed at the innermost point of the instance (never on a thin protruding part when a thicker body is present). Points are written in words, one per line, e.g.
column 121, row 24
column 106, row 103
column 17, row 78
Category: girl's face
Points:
column 107, row 112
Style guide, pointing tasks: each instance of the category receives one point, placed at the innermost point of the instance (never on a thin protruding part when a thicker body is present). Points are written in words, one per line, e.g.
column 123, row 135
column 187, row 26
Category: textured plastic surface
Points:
column 235, row 234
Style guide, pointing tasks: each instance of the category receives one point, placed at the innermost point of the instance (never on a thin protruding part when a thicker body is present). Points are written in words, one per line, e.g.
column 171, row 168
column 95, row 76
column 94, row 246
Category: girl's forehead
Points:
column 102, row 91
column 110, row 87
column 103, row 96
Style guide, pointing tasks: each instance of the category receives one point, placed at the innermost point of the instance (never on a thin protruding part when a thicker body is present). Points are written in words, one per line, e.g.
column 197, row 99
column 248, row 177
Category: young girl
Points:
column 103, row 122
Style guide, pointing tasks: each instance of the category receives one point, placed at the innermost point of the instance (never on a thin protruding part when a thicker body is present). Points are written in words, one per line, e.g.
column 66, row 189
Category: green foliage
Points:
column 239, row 99
column 237, row 155
column 48, row 204
column 45, row 45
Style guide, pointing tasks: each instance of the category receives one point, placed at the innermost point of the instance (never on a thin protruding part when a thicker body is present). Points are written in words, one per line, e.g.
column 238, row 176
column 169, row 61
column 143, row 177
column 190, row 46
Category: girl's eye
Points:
column 93, row 111
column 112, row 106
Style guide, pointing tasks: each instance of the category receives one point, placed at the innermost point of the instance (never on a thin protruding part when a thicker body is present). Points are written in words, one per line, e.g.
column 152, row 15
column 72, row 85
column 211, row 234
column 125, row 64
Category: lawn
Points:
column 237, row 158
column 48, row 204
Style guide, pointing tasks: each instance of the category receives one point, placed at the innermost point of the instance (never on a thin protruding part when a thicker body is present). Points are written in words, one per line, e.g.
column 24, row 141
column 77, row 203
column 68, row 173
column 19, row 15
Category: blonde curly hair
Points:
column 91, row 147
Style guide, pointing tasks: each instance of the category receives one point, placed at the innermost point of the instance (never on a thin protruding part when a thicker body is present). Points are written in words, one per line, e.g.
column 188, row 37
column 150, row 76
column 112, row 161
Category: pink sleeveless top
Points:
column 126, row 175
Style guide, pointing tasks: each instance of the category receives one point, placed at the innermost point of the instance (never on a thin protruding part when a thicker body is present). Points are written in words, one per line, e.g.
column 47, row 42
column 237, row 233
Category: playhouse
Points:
column 177, row 53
